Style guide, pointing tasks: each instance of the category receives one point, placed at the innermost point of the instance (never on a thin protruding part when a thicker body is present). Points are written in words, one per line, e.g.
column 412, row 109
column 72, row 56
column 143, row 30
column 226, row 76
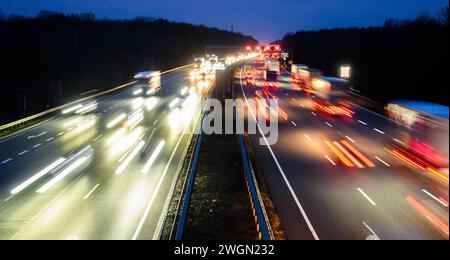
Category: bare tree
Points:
column 443, row 15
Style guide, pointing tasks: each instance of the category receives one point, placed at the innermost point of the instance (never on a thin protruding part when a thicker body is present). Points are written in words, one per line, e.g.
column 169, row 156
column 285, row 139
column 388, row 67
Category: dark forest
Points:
column 52, row 58
column 400, row 60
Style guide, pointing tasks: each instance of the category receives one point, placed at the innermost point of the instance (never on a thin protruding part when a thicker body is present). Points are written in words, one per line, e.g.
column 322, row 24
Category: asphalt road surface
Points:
column 96, row 174
column 375, row 196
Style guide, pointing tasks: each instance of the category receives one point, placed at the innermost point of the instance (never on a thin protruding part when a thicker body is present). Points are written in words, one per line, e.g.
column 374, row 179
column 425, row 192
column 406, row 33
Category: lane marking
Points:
column 435, row 198
column 398, row 141
column 22, row 153
column 90, row 192
column 367, row 197
column 288, row 184
column 35, row 136
column 6, row 161
column 96, row 139
column 362, row 122
column 329, row 159
column 350, row 139
column 309, row 138
column 293, row 99
column 293, row 123
column 37, row 145
column 49, row 139
column 379, row 131
column 302, row 105
column 60, row 133
column 328, row 124
column 314, row 114
column 383, row 162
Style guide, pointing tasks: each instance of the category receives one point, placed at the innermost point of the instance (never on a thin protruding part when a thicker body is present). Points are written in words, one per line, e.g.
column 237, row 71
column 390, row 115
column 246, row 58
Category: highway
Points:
column 91, row 173
column 318, row 195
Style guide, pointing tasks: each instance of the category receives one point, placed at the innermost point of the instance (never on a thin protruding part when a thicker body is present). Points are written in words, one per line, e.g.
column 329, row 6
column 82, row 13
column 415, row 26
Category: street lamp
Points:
column 345, row 72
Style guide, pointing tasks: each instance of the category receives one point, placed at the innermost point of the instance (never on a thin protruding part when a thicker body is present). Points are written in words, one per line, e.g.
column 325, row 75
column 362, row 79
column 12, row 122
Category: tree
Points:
column 443, row 15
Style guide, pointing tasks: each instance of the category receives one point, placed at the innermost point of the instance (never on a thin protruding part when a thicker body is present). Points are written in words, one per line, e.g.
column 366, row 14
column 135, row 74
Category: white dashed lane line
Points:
column 329, row 159
column 350, row 139
column 382, row 161
column 22, row 153
column 362, row 122
column 37, row 145
column 6, row 161
column 379, row 131
column 367, row 197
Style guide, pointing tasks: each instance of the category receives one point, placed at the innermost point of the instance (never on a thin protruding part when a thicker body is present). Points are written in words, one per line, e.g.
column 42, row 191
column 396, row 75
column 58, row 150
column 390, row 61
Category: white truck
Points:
column 272, row 70
column 306, row 76
column 152, row 78
column 295, row 71
column 426, row 141
column 330, row 95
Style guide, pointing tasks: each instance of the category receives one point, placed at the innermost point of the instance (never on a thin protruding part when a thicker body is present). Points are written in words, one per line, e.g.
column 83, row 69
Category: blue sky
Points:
column 267, row 20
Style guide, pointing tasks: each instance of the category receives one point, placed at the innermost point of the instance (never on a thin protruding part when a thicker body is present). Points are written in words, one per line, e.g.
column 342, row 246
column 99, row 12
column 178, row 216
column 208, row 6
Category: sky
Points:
column 266, row 20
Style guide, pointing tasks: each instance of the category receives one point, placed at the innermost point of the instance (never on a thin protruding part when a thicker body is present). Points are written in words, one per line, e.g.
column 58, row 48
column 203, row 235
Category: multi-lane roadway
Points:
column 334, row 177
column 102, row 171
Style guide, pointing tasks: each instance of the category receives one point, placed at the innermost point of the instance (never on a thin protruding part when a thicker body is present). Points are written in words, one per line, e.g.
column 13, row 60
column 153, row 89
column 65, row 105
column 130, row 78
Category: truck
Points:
column 306, row 76
column 330, row 95
column 272, row 70
column 426, row 140
column 154, row 82
column 295, row 71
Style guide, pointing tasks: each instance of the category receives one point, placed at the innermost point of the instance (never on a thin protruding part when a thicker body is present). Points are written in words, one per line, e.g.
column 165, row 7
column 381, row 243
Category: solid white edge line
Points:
column 291, row 190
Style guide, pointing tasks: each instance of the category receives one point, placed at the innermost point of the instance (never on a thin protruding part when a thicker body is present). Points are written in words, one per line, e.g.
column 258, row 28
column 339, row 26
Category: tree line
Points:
column 52, row 57
column 404, row 59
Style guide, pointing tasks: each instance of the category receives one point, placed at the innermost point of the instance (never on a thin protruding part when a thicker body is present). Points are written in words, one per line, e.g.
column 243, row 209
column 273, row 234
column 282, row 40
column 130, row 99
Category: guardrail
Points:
column 55, row 109
column 261, row 219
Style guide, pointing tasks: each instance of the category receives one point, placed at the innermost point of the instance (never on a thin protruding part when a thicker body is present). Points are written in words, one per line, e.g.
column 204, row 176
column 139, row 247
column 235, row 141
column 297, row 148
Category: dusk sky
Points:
column 266, row 20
